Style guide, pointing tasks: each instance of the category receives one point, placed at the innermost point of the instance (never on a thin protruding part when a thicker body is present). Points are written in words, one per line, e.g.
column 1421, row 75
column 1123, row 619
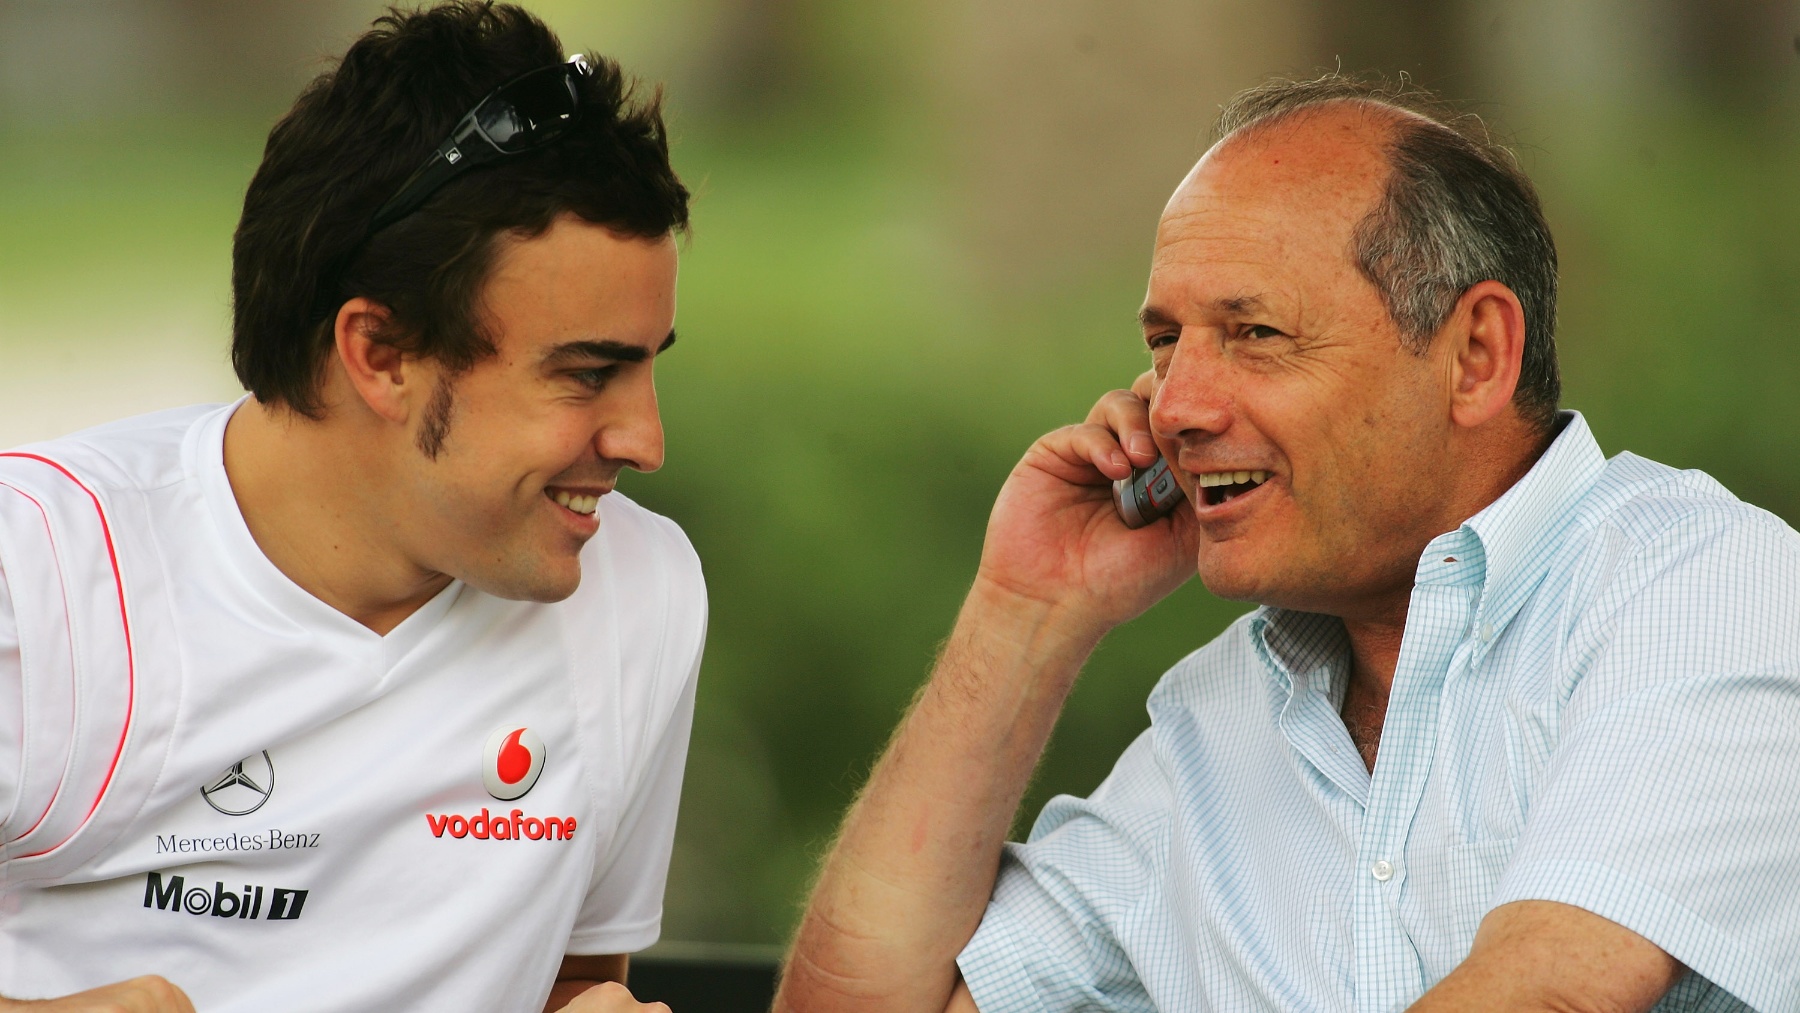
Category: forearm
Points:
column 906, row 884
column 1544, row 957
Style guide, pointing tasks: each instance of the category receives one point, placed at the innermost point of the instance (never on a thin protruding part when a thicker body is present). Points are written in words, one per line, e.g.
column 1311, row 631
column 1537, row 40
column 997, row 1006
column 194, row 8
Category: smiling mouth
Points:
column 1218, row 487
column 582, row 503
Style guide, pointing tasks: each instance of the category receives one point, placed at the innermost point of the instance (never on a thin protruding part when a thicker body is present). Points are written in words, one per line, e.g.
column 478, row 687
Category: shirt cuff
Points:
column 608, row 939
column 996, row 966
column 1650, row 913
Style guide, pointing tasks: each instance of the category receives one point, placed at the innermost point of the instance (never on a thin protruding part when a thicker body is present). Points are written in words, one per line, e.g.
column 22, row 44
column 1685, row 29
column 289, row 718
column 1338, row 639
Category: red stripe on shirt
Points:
column 112, row 556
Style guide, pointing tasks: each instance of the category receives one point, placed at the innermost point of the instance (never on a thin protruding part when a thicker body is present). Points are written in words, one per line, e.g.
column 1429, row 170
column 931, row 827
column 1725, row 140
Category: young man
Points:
column 1514, row 729
column 368, row 692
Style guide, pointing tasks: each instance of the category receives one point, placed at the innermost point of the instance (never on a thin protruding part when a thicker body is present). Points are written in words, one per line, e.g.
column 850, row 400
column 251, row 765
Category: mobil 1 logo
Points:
column 176, row 896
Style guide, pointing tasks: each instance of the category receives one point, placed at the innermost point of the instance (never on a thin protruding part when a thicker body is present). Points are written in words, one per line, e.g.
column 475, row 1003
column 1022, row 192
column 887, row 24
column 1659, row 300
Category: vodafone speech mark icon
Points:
column 512, row 761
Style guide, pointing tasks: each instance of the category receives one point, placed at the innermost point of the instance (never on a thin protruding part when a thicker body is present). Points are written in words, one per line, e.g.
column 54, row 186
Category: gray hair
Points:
column 1457, row 211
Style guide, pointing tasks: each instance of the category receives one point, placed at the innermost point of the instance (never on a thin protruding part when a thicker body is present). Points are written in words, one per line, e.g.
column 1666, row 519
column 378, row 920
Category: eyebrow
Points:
column 618, row 351
column 1150, row 317
column 1237, row 306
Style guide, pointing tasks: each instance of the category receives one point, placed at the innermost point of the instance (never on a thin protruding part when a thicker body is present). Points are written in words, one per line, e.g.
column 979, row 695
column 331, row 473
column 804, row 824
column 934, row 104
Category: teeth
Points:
column 576, row 502
column 1211, row 479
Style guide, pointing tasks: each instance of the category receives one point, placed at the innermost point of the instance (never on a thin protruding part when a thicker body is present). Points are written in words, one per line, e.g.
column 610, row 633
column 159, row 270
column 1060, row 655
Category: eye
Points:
column 595, row 379
column 1262, row 331
column 1159, row 341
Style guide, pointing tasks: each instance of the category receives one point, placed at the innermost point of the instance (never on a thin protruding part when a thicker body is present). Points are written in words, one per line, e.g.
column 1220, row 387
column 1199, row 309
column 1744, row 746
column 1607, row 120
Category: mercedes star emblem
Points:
column 240, row 792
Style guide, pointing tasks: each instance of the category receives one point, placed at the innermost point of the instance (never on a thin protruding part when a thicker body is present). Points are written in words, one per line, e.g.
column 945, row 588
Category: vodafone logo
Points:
column 511, row 762
column 510, row 765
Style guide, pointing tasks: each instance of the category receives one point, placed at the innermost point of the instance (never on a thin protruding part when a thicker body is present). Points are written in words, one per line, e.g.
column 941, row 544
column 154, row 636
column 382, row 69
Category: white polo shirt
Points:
column 207, row 773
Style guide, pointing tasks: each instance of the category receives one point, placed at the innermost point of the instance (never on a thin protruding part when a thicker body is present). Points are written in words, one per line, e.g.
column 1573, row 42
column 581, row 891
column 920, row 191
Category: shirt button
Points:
column 1486, row 633
column 1382, row 870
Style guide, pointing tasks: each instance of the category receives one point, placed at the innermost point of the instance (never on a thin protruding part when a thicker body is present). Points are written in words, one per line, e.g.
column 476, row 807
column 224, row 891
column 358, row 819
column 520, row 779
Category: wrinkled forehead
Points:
column 1289, row 194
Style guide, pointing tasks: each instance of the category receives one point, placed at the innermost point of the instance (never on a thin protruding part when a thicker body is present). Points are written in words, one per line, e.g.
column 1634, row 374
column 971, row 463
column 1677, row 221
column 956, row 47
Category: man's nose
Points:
column 633, row 435
column 1192, row 397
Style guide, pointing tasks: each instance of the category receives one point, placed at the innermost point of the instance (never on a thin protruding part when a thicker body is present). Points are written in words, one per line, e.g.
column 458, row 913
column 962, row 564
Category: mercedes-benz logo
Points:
column 240, row 792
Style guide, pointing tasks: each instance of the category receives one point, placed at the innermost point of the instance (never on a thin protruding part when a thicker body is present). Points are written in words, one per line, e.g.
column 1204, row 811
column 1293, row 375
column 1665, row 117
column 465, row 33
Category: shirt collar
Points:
column 1302, row 648
column 1507, row 546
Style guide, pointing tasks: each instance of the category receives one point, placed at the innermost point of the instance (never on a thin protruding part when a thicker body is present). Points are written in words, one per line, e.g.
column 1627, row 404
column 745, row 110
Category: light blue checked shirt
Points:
column 1597, row 702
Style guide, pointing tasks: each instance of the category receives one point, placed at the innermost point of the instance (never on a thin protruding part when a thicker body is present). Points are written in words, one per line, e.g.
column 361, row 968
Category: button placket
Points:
column 1438, row 622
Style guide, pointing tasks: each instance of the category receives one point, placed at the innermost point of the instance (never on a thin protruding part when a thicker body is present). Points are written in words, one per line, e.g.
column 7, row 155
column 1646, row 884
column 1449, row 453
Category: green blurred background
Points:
column 920, row 238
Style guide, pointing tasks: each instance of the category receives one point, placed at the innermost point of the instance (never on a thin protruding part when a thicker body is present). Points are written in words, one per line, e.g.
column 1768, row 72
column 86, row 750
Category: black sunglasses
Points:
column 527, row 112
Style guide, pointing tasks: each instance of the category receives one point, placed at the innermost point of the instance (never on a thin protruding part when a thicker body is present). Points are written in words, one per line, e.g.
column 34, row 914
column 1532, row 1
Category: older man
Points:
column 1515, row 728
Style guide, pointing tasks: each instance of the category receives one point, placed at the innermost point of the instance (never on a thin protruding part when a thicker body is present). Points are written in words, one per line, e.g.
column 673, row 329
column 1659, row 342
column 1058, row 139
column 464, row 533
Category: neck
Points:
column 311, row 493
column 1375, row 651
column 1494, row 463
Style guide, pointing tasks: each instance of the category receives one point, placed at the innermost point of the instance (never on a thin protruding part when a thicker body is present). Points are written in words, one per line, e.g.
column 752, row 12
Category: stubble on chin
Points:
column 531, row 565
column 1224, row 580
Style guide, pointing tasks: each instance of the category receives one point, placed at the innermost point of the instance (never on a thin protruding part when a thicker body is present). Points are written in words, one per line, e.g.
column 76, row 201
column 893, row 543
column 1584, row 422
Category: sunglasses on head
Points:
column 527, row 112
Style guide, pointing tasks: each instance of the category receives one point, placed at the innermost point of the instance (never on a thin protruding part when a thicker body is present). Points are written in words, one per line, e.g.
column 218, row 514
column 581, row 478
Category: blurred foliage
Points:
column 1681, row 280
column 108, row 217
column 851, row 387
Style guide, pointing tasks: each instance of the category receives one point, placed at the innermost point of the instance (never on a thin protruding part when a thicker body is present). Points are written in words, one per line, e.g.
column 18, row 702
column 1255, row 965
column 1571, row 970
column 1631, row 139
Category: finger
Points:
column 1087, row 454
column 1128, row 416
column 609, row 997
column 158, row 994
column 1145, row 384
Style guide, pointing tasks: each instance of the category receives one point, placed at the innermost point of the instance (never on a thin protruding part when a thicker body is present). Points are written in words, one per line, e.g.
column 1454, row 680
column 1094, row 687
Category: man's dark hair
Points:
column 1457, row 211
column 358, row 131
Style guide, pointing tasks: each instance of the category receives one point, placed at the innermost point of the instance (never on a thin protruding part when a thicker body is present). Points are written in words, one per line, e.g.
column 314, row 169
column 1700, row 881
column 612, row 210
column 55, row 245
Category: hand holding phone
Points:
column 1150, row 493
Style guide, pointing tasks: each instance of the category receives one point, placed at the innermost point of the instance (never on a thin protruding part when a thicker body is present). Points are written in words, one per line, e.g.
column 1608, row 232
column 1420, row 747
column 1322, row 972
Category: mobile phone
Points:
column 1148, row 494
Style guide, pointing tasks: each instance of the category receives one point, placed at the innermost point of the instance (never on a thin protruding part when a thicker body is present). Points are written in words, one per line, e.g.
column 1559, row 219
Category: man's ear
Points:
column 1488, row 335
column 377, row 371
